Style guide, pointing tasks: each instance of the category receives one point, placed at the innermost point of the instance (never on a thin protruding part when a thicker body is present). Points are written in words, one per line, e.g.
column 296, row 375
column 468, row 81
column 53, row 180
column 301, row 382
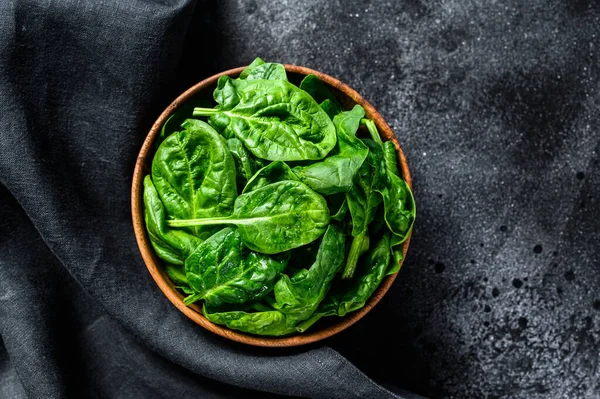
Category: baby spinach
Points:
column 223, row 270
column 363, row 199
column 173, row 246
column 273, row 118
column 272, row 322
column 376, row 264
column 398, row 201
column 272, row 173
column 320, row 92
column 340, row 214
column 259, row 69
column 257, row 62
column 274, row 218
column 238, row 207
column 194, row 174
column 330, row 108
column 354, row 295
column 335, row 173
column 177, row 274
column 173, row 124
column 246, row 165
column 300, row 295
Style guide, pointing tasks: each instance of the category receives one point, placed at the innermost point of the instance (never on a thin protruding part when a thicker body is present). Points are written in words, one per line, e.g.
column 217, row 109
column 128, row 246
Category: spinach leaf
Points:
column 272, row 173
column 226, row 94
column 340, row 214
column 320, row 92
column 273, row 323
column 257, row 62
column 397, row 257
column 390, row 156
column 399, row 204
column 264, row 70
column 354, row 295
column 173, row 124
column 222, row 270
column 273, row 118
column 335, row 173
column 171, row 245
column 398, row 201
column 274, row 218
column 245, row 164
column 299, row 296
column 376, row 264
column 330, row 108
column 194, row 174
column 177, row 274
column 363, row 199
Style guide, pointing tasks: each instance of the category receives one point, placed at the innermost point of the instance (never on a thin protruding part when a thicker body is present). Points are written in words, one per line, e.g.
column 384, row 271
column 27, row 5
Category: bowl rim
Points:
column 157, row 271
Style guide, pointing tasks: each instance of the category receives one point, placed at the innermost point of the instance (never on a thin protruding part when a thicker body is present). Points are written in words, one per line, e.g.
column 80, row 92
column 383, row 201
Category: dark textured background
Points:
column 496, row 104
column 497, row 107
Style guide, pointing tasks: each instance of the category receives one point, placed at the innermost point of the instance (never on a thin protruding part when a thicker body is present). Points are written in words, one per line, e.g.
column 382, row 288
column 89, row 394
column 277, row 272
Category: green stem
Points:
column 192, row 298
column 205, row 111
column 306, row 324
column 372, row 130
column 356, row 250
column 199, row 222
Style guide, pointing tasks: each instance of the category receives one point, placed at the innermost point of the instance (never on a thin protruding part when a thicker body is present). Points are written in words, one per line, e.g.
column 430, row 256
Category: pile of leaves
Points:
column 270, row 208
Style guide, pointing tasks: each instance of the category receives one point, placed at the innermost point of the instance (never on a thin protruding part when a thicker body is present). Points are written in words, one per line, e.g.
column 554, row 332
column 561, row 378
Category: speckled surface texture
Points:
column 496, row 104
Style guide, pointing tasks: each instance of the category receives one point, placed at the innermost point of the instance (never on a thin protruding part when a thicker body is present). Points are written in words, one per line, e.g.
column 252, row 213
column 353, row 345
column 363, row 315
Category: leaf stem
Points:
column 356, row 250
column 188, row 300
column 372, row 129
column 205, row 111
column 198, row 222
column 306, row 324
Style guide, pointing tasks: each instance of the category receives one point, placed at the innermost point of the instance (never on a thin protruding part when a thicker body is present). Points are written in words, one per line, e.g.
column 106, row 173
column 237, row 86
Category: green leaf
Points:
column 274, row 218
column 331, row 109
column 340, row 214
column 272, row 173
column 320, row 92
column 177, row 274
column 222, row 270
column 336, row 173
column 299, row 296
column 396, row 259
column 390, row 155
column 171, row 245
column 246, row 165
column 194, row 174
column 257, row 62
column 272, row 323
column 356, row 294
column 398, row 201
column 363, row 197
column 183, row 112
column 273, row 118
column 267, row 71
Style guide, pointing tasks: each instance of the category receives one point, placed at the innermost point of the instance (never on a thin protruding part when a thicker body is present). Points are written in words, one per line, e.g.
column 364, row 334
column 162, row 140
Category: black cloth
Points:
column 495, row 104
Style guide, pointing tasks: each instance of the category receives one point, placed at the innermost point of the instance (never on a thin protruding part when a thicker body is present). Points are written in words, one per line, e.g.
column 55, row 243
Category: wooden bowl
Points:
column 348, row 97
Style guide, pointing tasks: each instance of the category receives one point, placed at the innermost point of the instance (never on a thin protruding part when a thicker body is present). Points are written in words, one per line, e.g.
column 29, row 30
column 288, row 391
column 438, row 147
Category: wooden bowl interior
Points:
column 203, row 90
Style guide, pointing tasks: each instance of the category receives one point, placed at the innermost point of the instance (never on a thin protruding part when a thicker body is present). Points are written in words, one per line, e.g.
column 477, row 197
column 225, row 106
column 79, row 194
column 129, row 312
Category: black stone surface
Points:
column 497, row 106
